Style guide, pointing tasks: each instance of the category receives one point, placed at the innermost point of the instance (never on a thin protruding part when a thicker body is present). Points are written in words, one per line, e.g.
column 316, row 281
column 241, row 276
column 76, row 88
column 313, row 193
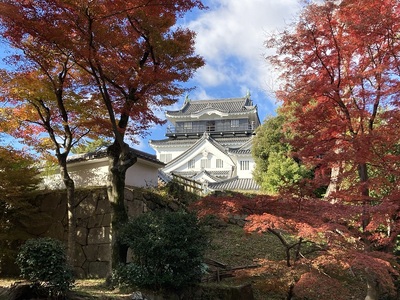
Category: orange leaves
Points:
column 128, row 52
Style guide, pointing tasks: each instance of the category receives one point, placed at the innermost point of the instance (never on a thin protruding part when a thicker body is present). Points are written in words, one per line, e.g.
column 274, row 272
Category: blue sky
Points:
column 230, row 37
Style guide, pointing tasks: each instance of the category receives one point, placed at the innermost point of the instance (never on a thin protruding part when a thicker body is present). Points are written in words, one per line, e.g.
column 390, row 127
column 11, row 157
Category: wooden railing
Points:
column 189, row 185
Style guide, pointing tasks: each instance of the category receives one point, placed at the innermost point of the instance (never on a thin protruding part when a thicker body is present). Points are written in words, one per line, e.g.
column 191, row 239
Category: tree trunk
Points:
column 120, row 159
column 372, row 287
column 363, row 175
column 71, row 207
column 333, row 186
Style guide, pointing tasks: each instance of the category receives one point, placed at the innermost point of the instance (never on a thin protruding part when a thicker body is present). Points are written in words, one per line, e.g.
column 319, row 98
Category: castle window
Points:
column 187, row 125
column 219, row 163
column 244, row 165
column 234, row 123
column 191, row 164
column 205, row 163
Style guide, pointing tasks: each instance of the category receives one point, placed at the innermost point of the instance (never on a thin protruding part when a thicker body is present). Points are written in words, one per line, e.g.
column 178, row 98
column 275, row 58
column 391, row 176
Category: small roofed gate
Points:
column 190, row 185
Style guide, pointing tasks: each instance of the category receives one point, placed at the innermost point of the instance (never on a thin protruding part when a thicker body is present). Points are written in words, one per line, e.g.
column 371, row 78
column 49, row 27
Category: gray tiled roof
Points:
column 188, row 174
column 235, row 183
column 240, row 151
column 224, row 141
column 225, row 105
column 103, row 153
column 215, row 174
column 164, row 177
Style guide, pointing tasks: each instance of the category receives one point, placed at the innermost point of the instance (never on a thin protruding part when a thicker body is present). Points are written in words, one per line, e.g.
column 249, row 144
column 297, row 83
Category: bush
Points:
column 168, row 249
column 43, row 262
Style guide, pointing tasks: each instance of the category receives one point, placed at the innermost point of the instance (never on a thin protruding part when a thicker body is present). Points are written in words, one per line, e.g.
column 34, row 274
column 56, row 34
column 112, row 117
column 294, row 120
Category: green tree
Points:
column 43, row 261
column 18, row 176
column 90, row 146
column 276, row 170
column 168, row 249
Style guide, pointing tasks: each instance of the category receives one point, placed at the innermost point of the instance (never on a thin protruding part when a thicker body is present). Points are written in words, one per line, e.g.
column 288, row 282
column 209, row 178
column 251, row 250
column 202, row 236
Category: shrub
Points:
column 168, row 249
column 43, row 262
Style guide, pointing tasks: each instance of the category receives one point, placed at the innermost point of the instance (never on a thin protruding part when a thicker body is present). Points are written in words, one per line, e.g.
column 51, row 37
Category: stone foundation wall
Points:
column 93, row 248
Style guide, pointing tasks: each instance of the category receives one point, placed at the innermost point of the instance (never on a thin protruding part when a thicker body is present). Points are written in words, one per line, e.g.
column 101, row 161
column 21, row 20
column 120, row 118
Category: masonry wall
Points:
column 93, row 249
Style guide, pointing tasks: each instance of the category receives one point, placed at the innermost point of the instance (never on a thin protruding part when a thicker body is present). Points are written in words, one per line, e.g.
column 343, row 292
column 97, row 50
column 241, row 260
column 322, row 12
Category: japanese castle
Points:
column 209, row 141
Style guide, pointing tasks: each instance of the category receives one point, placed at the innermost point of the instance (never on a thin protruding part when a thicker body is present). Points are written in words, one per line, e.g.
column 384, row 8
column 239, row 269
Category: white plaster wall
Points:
column 95, row 172
column 245, row 173
column 142, row 175
column 175, row 152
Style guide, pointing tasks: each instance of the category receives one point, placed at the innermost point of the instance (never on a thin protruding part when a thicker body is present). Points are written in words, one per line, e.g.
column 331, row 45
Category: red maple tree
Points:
column 135, row 55
column 322, row 241
column 341, row 86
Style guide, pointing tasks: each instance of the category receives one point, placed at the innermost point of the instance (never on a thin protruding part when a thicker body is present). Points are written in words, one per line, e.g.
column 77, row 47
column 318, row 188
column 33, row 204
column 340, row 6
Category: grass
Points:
column 85, row 289
column 233, row 246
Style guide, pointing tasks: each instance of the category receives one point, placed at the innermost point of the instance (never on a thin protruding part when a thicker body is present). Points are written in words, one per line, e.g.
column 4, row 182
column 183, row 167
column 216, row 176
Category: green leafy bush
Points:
column 168, row 249
column 43, row 262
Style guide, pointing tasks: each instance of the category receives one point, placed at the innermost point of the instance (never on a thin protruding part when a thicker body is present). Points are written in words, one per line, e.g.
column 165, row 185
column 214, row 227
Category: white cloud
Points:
column 231, row 36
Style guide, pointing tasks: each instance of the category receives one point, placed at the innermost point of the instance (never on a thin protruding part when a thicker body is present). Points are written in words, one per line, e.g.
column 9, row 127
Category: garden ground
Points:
column 232, row 246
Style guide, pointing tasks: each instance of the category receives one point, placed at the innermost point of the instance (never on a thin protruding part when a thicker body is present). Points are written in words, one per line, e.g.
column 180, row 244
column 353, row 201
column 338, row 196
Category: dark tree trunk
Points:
column 120, row 159
column 363, row 175
column 71, row 207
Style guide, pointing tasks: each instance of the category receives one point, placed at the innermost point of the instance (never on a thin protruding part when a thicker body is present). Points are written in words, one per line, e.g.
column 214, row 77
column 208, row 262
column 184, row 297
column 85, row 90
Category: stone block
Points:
column 103, row 206
column 80, row 273
column 97, row 252
column 50, row 202
column 104, row 252
column 86, row 207
column 80, row 256
column 60, row 212
column 100, row 235
column 98, row 269
column 128, row 195
column 134, row 208
column 95, row 221
column 81, row 235
column 82, row 222
column 56, row 230
column 106, row 222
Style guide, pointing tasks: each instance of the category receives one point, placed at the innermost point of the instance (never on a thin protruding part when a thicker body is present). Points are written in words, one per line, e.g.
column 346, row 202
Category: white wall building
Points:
column 91, row 169
column 210, row 141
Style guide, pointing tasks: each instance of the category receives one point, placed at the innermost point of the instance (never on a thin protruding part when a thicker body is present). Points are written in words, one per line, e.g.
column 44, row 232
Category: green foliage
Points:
column 43, row 262
column 168, row 249
column 269, row 138
column 275, row 168
column 283, row 172
column 175, row 189
column 90, row 146
column 18, row 176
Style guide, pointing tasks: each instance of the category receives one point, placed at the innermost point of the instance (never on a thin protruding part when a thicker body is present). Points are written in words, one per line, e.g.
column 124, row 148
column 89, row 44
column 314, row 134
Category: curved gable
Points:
column 204, row 145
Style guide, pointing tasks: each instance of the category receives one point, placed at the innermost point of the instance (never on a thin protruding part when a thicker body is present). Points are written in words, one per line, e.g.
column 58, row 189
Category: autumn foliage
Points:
column 322, row 239
column 340, row 70
column 124, row 60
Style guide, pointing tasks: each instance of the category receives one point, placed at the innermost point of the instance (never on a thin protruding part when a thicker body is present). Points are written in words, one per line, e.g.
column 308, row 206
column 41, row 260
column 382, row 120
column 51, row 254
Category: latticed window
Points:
column 205, row 163
column 244, row 165
column 191, row 164
column 235, row 123
column 187, row 125
column 219, row 163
